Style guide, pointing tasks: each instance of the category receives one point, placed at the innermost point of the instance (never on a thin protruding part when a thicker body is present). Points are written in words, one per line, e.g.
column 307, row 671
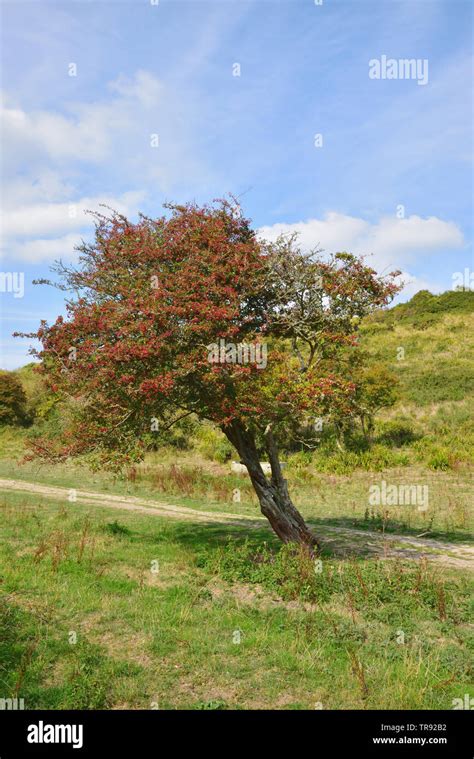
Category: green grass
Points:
column 438, row 361
column 323, row 498
column 159, row 608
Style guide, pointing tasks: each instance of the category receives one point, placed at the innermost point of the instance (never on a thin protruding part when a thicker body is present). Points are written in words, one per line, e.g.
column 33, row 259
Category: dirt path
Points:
column 339, row 540
column 126, row 502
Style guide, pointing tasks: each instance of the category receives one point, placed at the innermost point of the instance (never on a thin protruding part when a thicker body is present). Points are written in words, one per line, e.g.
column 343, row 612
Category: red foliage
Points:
column 153, row 296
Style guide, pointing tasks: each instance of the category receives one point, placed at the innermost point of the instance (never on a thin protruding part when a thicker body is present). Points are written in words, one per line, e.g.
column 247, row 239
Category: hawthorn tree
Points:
column 149, row 303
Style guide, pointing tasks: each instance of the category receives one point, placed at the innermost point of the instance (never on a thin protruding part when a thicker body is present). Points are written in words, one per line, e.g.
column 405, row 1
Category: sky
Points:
column 299, row 108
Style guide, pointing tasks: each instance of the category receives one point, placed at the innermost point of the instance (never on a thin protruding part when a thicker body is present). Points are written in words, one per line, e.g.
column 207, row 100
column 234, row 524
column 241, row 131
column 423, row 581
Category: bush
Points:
column 300, row 461
column 12, row 400
column 376, row 328
column 375, row 459
column 440, row 457
column 292, row 574
column 12, row 441
column 439, row 460
column 424, row 321
column 396, row 433
column 446, row 382
column 213, row 444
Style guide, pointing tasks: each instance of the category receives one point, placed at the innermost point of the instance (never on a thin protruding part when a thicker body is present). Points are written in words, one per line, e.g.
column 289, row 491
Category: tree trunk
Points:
column 275, row 502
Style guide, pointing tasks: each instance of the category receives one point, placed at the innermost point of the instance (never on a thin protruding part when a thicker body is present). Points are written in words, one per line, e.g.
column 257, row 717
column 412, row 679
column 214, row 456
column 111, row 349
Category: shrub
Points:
column 373, row 588
column 445, row 382
column 376, row 328
column 12, row 400
column 424, row 321
column 300, row 461
column 376, row 459
column 439, row 459
column 212, row 444
column 396, row 433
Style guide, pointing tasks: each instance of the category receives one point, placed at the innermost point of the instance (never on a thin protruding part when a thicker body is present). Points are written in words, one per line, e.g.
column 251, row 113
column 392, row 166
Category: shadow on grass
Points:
column 205, row 537
column 391, row 527
column 30, row 649
column 200, row 538
column 199, row 535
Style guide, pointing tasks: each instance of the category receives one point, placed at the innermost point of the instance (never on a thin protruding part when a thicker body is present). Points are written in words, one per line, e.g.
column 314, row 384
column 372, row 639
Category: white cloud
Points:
column 45, row 186
column 11, row 358
column 43, row 212
column 47, row 231
column 57, row 218
column 412, row 285
column 87, row 131
column 47, row 156
column 391, row 242
column 57, row 136
column 45, row 249
column 404, row 239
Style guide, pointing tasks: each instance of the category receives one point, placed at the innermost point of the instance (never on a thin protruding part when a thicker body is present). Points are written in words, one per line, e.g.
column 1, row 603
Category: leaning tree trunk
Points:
column 275, row 502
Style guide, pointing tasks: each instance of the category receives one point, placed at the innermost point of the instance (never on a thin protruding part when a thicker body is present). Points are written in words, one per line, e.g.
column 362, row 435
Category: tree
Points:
column 191, row 314
column 12, row 400
column 376, row 389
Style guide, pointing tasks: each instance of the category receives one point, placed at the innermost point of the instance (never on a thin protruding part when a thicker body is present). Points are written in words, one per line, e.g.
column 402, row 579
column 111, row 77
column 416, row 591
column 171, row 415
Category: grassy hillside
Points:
column 429, row 344
column 436, row 333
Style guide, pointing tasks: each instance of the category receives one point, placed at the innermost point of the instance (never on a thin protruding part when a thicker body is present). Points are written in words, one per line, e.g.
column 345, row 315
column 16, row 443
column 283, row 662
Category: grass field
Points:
column 141, row 612
column 327, row 498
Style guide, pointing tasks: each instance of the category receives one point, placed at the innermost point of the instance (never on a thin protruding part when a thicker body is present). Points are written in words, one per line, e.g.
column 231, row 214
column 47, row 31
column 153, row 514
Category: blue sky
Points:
column 392, row 178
